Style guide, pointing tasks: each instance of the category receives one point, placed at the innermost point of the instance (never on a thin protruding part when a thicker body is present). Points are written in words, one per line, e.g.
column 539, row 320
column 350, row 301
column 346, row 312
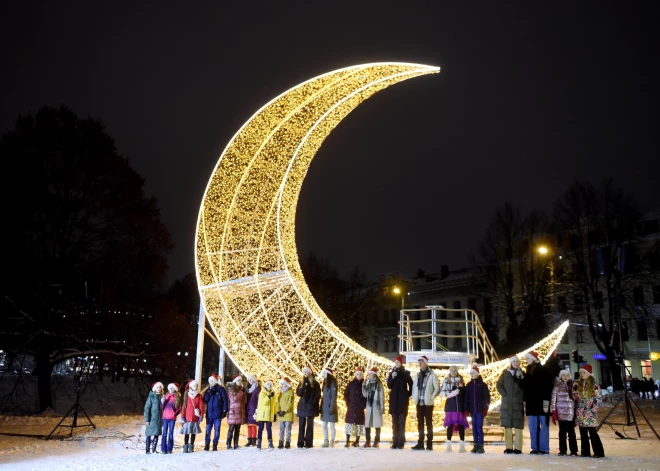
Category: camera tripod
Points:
column 73, row 413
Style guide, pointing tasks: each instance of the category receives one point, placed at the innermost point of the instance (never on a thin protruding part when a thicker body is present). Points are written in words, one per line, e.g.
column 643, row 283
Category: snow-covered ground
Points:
column 118, row 443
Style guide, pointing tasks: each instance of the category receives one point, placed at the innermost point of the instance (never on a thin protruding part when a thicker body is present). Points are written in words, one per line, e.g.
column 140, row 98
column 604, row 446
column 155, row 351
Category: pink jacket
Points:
column 237, row 413
column 170, row 407
column 562, row 401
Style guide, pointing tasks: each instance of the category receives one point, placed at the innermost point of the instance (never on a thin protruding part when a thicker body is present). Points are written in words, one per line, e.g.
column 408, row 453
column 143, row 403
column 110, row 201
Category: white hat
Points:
column 268, row 384
column 155, row 386
column 251, row 376
column 513, row 358
column 475, row 369
column 213, row 379
column 307, row 369
column 562, row 373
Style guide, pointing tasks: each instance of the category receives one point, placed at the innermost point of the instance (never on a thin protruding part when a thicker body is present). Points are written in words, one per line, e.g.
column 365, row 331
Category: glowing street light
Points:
column 543, row 250
column 396, row 290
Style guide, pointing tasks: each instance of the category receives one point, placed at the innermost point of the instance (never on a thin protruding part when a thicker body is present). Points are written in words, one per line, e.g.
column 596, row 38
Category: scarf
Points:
column 421, row 385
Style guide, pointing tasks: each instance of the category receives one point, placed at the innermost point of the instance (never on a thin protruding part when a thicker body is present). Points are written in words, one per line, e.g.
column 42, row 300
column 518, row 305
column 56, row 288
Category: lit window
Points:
column 646, row 368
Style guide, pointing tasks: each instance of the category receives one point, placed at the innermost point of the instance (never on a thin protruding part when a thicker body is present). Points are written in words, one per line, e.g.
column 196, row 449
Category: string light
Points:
column 250, row 281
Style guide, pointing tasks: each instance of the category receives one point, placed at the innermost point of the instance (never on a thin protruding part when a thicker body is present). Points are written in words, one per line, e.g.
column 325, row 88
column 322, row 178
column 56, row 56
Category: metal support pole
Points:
column 221, row 365
column 200, row 344
column 433, row 330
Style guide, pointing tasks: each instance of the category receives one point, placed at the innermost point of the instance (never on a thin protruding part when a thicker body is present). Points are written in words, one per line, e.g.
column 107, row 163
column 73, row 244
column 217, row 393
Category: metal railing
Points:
column 426, row 330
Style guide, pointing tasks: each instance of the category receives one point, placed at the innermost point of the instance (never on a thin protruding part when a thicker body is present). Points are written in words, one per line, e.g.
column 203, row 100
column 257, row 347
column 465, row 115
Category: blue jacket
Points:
column 477, row 396
column 216, row 400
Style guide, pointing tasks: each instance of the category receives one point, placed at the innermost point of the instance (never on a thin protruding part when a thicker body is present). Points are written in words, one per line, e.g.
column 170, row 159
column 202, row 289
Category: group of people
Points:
column 644, row 387
column 531, row 392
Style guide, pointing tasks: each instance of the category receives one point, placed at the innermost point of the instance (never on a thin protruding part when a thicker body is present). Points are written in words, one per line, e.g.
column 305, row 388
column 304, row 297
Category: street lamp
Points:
column 396, row 290
column 543, row 250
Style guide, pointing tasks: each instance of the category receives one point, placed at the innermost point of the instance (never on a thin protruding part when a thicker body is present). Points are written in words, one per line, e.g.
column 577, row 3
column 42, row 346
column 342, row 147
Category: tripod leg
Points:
column 647, row 420
column 609, row 413
column 632, row 414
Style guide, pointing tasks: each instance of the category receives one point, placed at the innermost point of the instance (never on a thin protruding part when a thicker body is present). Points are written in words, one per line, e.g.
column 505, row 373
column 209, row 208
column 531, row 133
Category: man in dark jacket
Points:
column 309, row 392
column 400, row 384
column 537, row 392
column 216, row 410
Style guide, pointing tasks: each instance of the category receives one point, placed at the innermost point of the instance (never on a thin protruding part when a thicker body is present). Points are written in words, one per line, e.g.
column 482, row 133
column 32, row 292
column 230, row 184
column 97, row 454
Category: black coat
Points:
column 400, row 391
column 477, row 396
column 309, row 394
column 537, row 387
column 355, row 402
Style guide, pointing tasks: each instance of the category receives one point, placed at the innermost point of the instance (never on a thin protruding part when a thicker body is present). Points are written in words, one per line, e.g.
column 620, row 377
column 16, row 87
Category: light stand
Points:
column 627, row 401
column 75, row 410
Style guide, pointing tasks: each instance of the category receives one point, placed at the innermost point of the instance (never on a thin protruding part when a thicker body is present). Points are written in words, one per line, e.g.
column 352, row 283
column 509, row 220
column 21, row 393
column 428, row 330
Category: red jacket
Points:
column 189, row 406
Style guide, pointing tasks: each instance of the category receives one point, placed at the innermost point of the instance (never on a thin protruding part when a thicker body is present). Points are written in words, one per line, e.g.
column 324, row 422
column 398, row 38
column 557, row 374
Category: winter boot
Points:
column 185, row 448
column 287, row 445
column 332, row 443
column 448, row 449
column 230, row 432
column 191, row 448
column 325, row 444
column 154, row 445
column 249, row 443
column 429, row 446
column 475, row 449
column 280, row 445
column 236, row 447
column 207, row 445
column 348, row 441
column 367, row 444
column 148, row 440
column 419, row 446
column 356, row 443
column 215, row 447
column 461, row 447
column 259, row 444
column 270, row 444
column 375, row 445
column 481, row 448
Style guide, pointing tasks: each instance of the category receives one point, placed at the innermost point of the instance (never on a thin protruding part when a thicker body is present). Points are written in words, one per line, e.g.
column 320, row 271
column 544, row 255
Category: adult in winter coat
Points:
column 254, row 388
column 153, row 416
column 355, row 403
column 512, row 415
column 215, row 399
column 266, row 413
column 400, row 384
column 453, row 389
column 329, row 414
column 285, row 412
column 374, row 393
column 309, row 392
column 424, row 390
column 171, row 405
column 587, row 394
column 537, row 389
column 562, row 406
column 236, row 414
column 476, row 403
column 192, row 413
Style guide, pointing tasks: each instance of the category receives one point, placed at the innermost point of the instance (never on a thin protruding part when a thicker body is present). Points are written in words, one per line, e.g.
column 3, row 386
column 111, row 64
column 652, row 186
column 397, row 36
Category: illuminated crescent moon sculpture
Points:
column 250, row 282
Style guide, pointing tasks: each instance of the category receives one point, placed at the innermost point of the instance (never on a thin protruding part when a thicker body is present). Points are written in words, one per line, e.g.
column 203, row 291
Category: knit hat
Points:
column 307, row 369
column 360, row 369
column 155, row 385
column 586, row 367
column 213, row 379
column 562, row 373
column 399, row 358
column 237, row 379
column 424, row 358
column 513, row 358
column 373, row 370
column 532, row 357
column 475, row 368
column 173, row 385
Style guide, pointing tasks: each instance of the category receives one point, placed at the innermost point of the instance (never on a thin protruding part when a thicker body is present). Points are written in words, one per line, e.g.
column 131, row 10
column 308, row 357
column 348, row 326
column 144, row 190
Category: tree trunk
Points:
column 44, row 372
column 615, row 370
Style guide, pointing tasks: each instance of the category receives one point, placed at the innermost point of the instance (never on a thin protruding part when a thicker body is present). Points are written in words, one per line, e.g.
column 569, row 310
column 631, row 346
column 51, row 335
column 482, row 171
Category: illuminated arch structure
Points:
column 250, row 282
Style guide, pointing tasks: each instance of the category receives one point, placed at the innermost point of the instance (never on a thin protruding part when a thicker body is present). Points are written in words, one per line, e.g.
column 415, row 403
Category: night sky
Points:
column 532, row 95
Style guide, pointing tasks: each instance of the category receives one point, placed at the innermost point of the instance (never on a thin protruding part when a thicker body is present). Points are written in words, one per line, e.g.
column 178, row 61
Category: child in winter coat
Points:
column 355, row 404
column 329, row 413
column 477, row 401
column 562, row 407
column 171, row 408
column 266, row 413
column 215, row 399
column 192, row 413
column 153, row 417
column 236, row 416
column 285, row 412
column 309, row 392
column 252, row 401
column 587, row 394
column 374, row 393
column 453, row 388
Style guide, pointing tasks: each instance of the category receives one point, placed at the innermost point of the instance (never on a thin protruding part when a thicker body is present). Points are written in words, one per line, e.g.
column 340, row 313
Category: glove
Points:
column 271, row 394
column 183, row 420
column 162, row 400
column 519, row 373
column 254, row 416
column 281, row 413
column 467, row 413
column 546, row 406
column 394, row 373
column 554, row 417
column 484, row 412
column 197, row 412
column 223, row 415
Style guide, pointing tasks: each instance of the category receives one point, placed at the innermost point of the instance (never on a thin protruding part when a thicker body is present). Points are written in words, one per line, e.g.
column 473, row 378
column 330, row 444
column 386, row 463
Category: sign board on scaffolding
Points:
column 442, row 359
